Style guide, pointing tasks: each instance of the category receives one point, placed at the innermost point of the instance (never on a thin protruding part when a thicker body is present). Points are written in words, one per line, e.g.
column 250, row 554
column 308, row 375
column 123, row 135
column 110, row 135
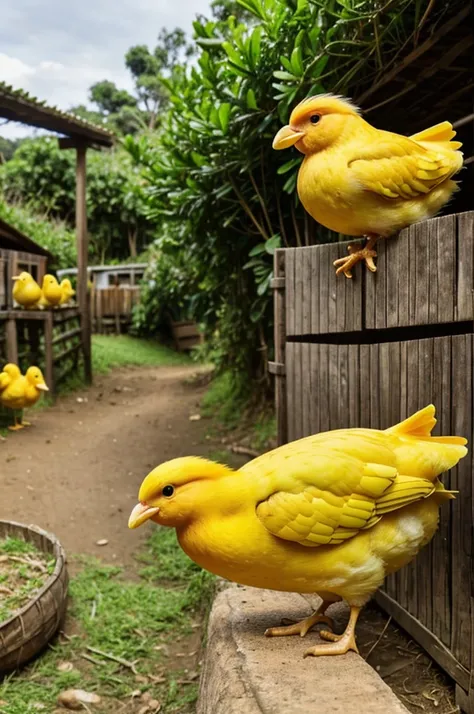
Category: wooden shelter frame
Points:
column 16, row 105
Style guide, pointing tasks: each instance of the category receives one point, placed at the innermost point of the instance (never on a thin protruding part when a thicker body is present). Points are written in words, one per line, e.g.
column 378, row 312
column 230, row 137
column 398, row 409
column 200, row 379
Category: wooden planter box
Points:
column 186, row 335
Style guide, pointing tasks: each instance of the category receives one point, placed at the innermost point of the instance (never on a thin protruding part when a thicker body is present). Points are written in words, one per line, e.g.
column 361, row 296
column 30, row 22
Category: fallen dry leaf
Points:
column 195, row 417
column 103, row 541
column 65, row 667
column 75, row 698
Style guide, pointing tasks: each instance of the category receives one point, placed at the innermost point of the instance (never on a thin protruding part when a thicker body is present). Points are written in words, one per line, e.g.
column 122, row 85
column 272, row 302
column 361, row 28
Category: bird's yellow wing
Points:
column 321, row 507
column 399, row 167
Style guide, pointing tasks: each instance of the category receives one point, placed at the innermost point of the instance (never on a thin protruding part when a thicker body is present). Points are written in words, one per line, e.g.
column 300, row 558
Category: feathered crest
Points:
column 324, row 104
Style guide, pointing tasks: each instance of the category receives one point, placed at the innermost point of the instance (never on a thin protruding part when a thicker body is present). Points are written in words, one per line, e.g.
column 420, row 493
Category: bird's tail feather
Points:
column 421, row 425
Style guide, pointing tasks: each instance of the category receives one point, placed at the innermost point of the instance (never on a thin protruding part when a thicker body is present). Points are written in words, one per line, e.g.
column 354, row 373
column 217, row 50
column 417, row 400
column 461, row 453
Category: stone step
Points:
column 247, row 673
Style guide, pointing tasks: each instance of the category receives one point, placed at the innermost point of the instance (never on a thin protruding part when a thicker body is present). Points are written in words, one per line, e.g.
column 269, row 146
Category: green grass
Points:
column 23, row 572
column 134, row 621
column 110, row 351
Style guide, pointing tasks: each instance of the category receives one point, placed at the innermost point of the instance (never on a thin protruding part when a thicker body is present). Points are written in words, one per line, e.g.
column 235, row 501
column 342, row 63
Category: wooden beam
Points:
column 76, row 143
column 48, row 353
column 418, row 52
column 82, row 254
column 12, row 341
column 435, row 648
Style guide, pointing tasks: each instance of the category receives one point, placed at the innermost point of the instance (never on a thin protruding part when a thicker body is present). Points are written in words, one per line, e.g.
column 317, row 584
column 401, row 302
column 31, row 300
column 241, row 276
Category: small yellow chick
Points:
column 331, row 514
column 67, row 291
column 361, row 181
column 22, row 391
column 26, row 291
column 51, row 292
column 10, row 372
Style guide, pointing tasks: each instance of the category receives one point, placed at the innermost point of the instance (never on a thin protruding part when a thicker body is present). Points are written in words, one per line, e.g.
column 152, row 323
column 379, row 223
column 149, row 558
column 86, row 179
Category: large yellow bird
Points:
column 10, row 372
column 51, row 292
column 19, row 391
column 330, row 514
column 26, row 291
column 67, row 291
column 361, row 181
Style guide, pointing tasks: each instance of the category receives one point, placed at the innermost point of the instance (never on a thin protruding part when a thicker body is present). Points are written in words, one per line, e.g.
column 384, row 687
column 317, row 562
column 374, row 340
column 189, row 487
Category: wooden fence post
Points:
column 12, row 340
column 278, row 366
column 82, row 255
column 48, row 352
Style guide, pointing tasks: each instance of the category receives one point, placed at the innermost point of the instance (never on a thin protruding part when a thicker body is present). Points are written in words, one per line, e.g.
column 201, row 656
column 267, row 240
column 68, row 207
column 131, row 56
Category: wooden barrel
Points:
column 30, row 629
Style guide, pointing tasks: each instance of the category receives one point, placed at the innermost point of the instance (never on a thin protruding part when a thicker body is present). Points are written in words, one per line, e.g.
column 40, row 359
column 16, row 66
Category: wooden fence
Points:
column 50, row 339
column 112, row 307
column 370, row 351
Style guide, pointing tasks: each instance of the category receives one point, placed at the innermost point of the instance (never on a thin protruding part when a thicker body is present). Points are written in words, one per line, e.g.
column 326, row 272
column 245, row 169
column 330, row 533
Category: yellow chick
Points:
column 67, row 291
column 26, row 291
column 361, row 181
column 10, row 372
column 22, row 391
column 331, row 514
column 51, row 292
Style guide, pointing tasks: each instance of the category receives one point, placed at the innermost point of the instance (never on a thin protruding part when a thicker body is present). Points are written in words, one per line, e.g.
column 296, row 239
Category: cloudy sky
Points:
column 56, row 49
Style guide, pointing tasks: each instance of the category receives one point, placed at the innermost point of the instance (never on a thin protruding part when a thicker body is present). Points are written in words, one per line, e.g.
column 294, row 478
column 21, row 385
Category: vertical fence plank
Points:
column 290, row 389
column 305, row 257
column 446, row 267
column 441, row 574
column 432, row 228
column 334, row 386
column 465, row 266
column 315, row 389
column 461, row 526
column 324, row 387
column 305, row 389
column 380, row 285
column 343, row 411
column 373, row 386
column 365, row 377
column 279, row 321
column 290, row 291
column 411, row 241
column 353, row 386
column 393, row 274
column 299, row 292
column 324, row 289
column 315, row 290
column 422, row 273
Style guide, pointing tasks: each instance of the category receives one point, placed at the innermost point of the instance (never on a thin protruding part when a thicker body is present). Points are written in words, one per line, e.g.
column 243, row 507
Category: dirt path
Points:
column 77, row 470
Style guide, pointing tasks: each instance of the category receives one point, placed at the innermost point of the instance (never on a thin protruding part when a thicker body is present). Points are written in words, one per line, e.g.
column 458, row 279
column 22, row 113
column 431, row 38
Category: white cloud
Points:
column 56, row 50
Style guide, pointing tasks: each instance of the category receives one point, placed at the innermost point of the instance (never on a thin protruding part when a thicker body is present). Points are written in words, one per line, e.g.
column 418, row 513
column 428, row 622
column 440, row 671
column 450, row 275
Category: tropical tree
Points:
column 43, row 176
column 224, row 198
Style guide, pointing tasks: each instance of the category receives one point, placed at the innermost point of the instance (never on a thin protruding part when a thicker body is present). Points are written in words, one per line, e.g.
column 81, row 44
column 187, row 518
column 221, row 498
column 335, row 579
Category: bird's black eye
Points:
column 314, row 118
column 168, row 491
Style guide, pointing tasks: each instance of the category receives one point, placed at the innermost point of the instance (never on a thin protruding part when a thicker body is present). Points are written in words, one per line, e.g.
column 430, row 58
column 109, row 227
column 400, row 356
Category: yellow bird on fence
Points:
column 21, row 391
column 331, row 514
column 67, row 291
column 10, row 372
column 361, row 181
column 51, row 292
column 26, row 291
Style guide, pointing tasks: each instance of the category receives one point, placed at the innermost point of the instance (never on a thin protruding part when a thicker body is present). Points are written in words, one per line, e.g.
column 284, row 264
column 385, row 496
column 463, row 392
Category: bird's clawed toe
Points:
column 299, row 628
column 356, row 254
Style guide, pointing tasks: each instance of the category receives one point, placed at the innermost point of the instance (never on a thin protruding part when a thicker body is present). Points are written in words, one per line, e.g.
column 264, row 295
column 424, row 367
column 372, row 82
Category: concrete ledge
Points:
column 247, row 673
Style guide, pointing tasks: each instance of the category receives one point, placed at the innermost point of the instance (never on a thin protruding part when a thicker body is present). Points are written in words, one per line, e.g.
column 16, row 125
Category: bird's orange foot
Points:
column 25, row 423
column 299, row 628
column 356, row 254
column 15, row 427
column 339, row 645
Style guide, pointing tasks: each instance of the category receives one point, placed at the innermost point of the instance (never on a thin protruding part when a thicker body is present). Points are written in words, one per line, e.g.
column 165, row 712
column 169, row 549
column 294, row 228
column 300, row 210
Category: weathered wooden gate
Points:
column 370, row 351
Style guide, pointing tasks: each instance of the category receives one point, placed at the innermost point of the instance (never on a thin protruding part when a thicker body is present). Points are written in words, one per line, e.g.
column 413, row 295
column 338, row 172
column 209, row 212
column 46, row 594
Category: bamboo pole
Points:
column 82, row 255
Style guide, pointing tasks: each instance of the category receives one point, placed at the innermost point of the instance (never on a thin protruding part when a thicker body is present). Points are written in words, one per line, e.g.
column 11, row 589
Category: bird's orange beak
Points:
column 43, row 386
column 141, row 513
column 286, row 137
column 16, row 277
